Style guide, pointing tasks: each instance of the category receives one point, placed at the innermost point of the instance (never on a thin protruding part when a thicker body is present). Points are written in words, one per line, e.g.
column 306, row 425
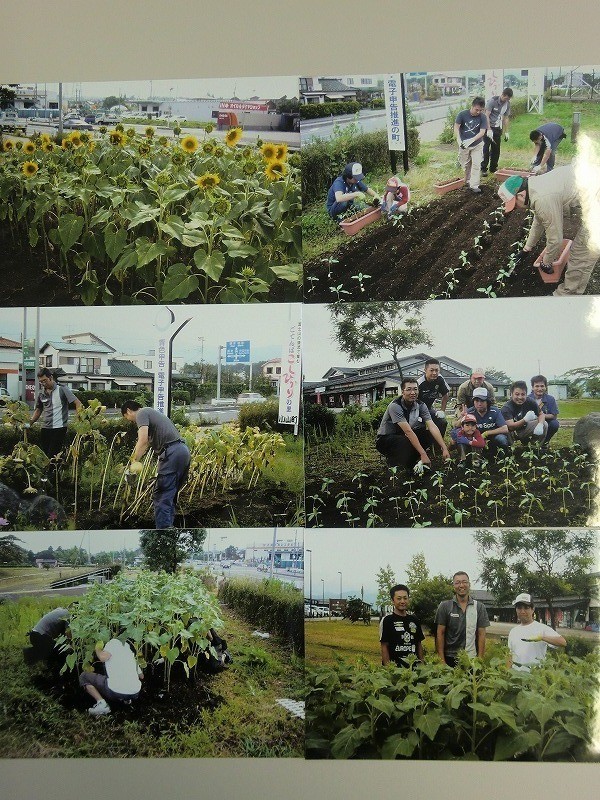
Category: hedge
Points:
column 269, row 604
column 113, row 398
column 314, row 110
column 318, row 420
column 261, row 415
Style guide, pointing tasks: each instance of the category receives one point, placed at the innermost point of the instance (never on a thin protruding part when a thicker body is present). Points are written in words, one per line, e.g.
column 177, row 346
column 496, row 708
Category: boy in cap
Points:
column 550, row 196
column 467, row 438
column 490, row 422
column 395, row 197
column 346, row 188
column 529, row 640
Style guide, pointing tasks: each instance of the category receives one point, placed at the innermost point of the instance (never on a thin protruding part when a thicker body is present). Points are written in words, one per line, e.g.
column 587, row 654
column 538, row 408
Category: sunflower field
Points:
column 123, row 217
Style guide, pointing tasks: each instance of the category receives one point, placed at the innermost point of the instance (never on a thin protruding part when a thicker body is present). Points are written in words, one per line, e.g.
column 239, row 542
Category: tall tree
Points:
column 385, row 579
column 426, row 591
column 497, row 375
column 10, row 551
column 366, row 329
column 546, row 563
column 166, row 549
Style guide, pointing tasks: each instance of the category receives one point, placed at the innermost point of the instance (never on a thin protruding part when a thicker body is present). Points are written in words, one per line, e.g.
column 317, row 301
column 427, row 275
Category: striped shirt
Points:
column 54, row 406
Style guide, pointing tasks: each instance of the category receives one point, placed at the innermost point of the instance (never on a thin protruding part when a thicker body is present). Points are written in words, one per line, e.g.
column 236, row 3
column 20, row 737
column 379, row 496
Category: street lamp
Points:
column 341, row 594
column 309, row 581
column 323, row 582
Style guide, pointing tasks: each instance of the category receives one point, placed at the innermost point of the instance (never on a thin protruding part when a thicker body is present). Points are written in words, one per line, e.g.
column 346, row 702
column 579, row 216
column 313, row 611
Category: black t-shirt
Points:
column 429, row 391
column 401, row 634
column 512, row 411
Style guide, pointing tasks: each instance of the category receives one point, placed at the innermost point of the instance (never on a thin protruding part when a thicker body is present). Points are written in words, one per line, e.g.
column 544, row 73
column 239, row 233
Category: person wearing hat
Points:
column 490, row 422
column 464, row 396
column 546, row 139
column 346, row 188
column 523, row 416
column 529, row 640
column 470, row 128
column 550, row 196
column 395, row 197
column 467, row 437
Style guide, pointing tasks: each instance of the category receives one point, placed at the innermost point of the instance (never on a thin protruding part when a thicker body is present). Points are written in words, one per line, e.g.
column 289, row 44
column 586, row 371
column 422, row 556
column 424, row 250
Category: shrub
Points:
column 316, row 110
column 318, row 419
column 261, row 415
column 270, row 604
column 113, row 398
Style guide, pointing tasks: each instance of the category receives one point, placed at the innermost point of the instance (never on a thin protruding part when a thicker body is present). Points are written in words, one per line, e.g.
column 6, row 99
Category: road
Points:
column 431, row 117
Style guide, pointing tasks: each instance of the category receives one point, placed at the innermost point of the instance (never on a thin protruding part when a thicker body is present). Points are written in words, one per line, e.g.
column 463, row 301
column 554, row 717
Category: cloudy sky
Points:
column 521, row 336
column 131, row 329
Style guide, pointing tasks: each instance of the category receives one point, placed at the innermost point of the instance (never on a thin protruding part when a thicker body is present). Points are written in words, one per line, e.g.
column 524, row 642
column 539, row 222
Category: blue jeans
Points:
column 173, row 466
column 339, row 208
column 498, row 442
column 553, row 426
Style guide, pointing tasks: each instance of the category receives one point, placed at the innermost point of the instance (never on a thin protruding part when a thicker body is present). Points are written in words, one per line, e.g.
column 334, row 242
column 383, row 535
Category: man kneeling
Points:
column 407, row 430
column 122, row 679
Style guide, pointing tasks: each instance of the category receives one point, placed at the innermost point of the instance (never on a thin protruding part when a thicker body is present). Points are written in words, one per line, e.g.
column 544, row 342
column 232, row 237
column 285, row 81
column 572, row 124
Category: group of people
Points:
column 460, row 624
column 155, row 430
column 411, row 425
column 349, row 190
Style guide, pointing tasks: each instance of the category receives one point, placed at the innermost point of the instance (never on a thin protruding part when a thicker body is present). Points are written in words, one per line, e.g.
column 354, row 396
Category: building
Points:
column 447, row 83
column 288, row 554
column 271, row 371
column 343, row 386
column 147, row 361
column 11, row 358
column 325, row 90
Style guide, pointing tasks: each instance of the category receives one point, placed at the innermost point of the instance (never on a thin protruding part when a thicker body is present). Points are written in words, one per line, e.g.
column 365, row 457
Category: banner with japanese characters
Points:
column 394, row 111
column 290, row 385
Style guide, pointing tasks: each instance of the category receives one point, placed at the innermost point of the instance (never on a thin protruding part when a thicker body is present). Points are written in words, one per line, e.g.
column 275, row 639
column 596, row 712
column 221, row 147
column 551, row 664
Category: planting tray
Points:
column 558, row 266
column 503, row 174
column 353, row 226
column 449, row 186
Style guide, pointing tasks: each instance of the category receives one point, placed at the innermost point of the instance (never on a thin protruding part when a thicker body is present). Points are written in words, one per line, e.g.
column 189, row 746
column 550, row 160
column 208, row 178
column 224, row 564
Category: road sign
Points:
column 394, row 111
column 29, row 359
column 237, row 352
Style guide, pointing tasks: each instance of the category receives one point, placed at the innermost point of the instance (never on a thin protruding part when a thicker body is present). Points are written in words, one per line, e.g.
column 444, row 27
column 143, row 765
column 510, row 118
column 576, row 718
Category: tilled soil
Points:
column 409, row 262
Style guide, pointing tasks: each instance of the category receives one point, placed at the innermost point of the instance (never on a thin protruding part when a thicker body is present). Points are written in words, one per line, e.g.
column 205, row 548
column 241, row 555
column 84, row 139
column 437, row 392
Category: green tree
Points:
column 366, row 329
column 354, row 609
column 231, row 553
column 10, row 551
column 426, row 591
column 166, row 549
column 592, row 386
column 111, row 101
column 385, row 579
column 7, row 95
column 497, row 375
column 546, row 563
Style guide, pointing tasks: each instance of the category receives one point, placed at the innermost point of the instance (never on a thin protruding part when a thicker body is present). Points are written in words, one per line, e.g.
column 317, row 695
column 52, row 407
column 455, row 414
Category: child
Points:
column 395, row 197
column 467, row 437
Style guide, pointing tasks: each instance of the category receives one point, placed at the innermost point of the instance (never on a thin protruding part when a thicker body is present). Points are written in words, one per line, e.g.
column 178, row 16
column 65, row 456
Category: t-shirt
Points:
column 53, row 624
column 161, row 431
column 121, row 668
column 397, row 411
column 496, row 109
column 552, row 133
column 516, row 412
column 340, row 185
column 464, row 395
column 490, row 420
column 451, row 615
column 525, row 654
column 401, row 634
column 55, row 406
column 429, row 391
column 549, row 404
column 470, row 126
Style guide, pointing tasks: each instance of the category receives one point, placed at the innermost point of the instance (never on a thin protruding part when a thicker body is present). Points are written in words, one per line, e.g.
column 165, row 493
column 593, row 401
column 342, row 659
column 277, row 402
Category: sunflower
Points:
column 91, row 145
column 29, row 148
column 85, row 137
column 222, row 206
column 269, row 151
column 75, row 139
column 189, row 143
column 19, row 145
column 29, row 168
column 130, row 133
column 45, row 137
column 150, row 132
column 8, row 145
column 208, row 181
column 209, row 127
column 163, row 141
column 66, row 144
column 208, row 147
column 281, row 152
column 233, row 136
column 275, row 170
column 102, row 128
column 178, row 158
column 120, row 127
column 163, row 178
column 144, row 149
column 218, row 151
column 47, row 146
column 249, row 168
column 117, row 138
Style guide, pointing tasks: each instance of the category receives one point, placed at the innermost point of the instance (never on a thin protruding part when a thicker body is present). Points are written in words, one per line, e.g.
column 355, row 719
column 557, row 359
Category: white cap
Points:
column 481, row 393
column 523, row 598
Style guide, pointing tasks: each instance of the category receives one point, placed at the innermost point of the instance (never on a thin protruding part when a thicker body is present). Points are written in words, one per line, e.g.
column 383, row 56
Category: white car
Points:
column 250, row 397
column 5, row 396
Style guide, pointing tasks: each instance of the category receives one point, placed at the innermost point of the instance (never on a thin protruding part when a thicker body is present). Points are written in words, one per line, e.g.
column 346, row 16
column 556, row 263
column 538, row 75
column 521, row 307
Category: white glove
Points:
column 440, row 414
column 529, row 416
column 490, row 133
column 506, row 136
column 536, row 169
column 538, row 430
column 419, row 468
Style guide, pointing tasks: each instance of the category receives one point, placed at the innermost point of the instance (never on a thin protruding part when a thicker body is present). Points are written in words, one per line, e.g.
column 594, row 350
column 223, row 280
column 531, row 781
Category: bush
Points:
column 318, row 419
column 316, row 110
column 261, row 415
column 113, row 398
column 269, row 604
column 181, row 396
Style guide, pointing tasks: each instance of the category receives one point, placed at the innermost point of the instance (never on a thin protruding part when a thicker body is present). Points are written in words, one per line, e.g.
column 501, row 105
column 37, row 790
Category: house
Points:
column 125, row 375
column 448, row 83
column 324, row 90
column 11, row 358
column 343, row 386
column 147, row 361
column 271, row 371
column 46, row 563
column 287, row 554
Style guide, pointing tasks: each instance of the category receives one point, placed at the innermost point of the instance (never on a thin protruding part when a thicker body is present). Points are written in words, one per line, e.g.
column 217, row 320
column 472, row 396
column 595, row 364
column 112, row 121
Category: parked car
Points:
column 108, row 119
column 250, row 397
column 5, row 396
column 77, row 124
column 10, row 121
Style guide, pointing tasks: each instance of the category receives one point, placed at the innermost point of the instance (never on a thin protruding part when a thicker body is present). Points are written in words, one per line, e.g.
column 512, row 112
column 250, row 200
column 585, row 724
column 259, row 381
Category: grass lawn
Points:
column 30, row 578
column 231, row 714
column 574, row 409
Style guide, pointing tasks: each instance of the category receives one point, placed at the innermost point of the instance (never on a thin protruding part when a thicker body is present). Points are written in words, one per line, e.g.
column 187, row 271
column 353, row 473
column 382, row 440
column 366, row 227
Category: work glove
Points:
column 547, row 268
column 27, row 424
column 490, row 134
column 440, row 414
column 376, row 202
column 522, row 257
column 536, row 169
column 506, row 137
column 136, row 467
column 130, row 478
column 538, row 430
column 529, row 416
column 463, row 145
column 419, row 468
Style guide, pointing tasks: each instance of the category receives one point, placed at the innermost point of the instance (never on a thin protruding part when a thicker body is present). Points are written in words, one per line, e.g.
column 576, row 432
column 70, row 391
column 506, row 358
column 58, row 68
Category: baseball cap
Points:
column 478, row 372
column 523, row 598
column 481, row 393
column 468, row 418
column 354, row 170
column 509, row 190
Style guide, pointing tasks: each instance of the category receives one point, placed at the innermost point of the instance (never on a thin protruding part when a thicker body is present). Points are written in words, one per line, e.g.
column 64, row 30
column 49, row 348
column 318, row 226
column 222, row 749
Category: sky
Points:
column 360, row 554
column 131, row 329
column 521, row 336
column 243, row 88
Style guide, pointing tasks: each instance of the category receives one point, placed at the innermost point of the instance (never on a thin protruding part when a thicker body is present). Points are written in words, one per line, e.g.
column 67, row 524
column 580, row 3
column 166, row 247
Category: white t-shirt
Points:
column 121, row 668
column 525, row 654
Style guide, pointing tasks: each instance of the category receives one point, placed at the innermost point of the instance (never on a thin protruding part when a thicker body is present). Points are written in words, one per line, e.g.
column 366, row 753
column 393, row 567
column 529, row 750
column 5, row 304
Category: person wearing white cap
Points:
column 490, row 422
column 346, row 188
column 529, row 640
column 523, row 416
column 550, row 196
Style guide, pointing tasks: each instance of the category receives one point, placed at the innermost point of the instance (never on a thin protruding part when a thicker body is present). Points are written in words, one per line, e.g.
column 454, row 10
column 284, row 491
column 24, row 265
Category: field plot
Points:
column 458, row 246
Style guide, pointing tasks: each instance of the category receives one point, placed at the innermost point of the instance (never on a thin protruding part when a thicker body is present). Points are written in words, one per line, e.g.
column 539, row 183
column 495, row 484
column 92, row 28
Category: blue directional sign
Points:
column 237, row 352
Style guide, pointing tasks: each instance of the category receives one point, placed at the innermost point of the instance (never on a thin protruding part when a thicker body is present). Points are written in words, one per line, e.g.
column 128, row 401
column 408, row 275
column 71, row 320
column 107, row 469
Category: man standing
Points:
column 470, row 129
column 490, row 421
column 461, row 623
column 346, row 188
column 546, row 139
column 523, row 416
column 464, row 397
column 400, row 633
column 53, row 406
column 498, row 114
column 546, row 404
column 157, row 431
column 407, row 431
column 431, row 386
column 551, row 196
column 122, row 679
column 529, row 640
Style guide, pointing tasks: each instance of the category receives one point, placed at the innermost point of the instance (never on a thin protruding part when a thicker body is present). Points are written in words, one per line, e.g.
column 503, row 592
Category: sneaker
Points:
column 484, row 173
column 475, row 189
column 99, row 709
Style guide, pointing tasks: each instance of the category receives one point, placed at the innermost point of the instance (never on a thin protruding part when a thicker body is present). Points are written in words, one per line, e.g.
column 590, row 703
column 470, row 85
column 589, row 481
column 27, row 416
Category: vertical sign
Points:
column 535, row 89
column 494, row 83
column 29, row 359
column 394, row 111
column 167, row 330
column 290, row 385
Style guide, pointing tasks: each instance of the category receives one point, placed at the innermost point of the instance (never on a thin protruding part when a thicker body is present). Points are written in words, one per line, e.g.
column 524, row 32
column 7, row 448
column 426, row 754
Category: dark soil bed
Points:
column 356, row 488
column 410, row 262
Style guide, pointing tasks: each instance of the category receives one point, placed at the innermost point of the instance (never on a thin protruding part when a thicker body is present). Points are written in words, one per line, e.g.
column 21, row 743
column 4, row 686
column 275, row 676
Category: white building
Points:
column 288, row 553
column 10, row 366
column 271, row 371
column 321, row 90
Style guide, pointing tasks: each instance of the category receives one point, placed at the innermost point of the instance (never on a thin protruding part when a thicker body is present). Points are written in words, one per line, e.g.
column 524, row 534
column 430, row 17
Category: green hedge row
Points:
column 269, row 604
column 113, row 398
column 261, row 415
column 314, row 110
